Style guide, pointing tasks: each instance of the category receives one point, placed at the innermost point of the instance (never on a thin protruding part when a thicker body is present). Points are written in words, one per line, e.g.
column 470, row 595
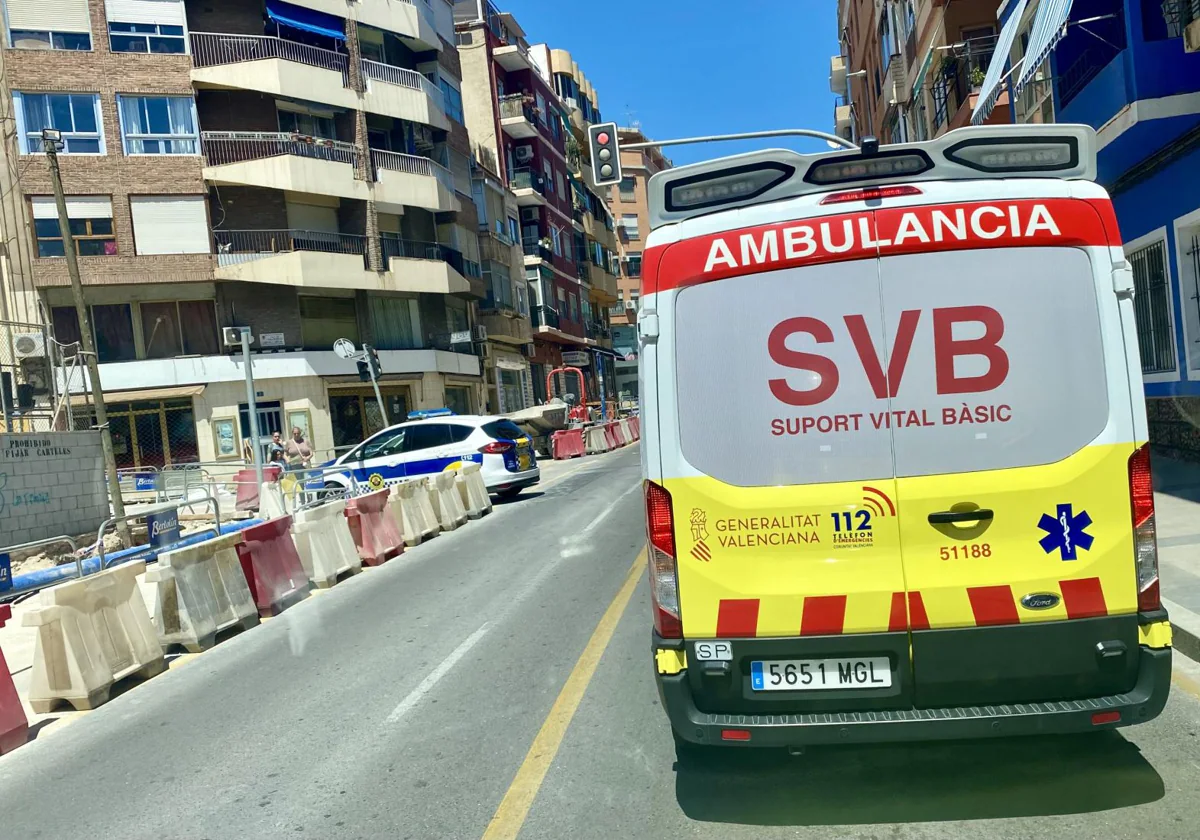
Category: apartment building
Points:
column 910, row 70
column 629, row 201
column 526, row 113
column 301, row 169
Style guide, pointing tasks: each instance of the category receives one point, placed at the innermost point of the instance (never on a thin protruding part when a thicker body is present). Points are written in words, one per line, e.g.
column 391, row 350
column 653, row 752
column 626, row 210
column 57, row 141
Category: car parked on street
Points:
column 436, row 442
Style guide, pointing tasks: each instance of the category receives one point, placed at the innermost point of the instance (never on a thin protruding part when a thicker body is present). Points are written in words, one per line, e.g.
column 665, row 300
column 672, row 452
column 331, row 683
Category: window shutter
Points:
column 168, row 12
column 49, row 15
column 170, row 224
column 312, row 217
column 78, row 207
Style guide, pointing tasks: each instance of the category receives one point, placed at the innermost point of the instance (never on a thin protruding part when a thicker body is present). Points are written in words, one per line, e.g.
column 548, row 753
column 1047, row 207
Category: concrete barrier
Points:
column 626, row 431
column 270, row 501
column 595, row 440
column 272, row 566
column 566, row 443
column 246, row 482
column 91, row 632
column 473, row 491
column 411, row 507
column 375, row 533
column 612, row 436
column 635, row 424
column 447, row 504
column 14, row 726
column 324, row 543
column 201, row 590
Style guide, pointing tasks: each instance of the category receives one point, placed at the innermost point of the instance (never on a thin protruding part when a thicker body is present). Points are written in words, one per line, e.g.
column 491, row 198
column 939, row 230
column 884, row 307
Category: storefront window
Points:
column 458, row 399
column 150, row 433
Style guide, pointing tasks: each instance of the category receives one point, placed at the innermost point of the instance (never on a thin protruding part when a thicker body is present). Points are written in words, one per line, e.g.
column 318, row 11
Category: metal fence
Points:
column 223, row 147
column 235, row 246
column 403, row 77
column 1152, row 308
column 211, row 49
column 28, row 387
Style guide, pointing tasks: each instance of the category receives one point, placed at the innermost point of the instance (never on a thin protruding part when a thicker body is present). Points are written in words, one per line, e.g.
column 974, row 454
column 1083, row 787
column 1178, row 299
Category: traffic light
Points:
column 373, row 361
column 364, row 371
column 606, row 157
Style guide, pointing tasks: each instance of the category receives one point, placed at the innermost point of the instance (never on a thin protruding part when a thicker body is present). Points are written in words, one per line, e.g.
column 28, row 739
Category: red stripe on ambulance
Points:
column 993, row 605
column 824, row 615
column 1062, row 222
column 737, row 617
column 1083, row 598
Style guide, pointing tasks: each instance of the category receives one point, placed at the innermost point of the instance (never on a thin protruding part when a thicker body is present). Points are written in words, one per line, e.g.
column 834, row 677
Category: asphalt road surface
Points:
column 496, row 682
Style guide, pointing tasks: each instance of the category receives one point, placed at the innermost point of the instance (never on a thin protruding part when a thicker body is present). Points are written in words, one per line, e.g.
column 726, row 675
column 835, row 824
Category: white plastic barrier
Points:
column 594, row 440
column 91, row 633
column 413, row 512
column 324, row 543
column 270, row 501
column 473, row 491
column 447, row 504
column 626, row 431
column 200, row 591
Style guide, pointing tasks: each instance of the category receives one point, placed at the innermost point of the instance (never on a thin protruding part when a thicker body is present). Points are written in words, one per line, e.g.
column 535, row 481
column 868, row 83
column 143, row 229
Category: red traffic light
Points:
column 602, row 138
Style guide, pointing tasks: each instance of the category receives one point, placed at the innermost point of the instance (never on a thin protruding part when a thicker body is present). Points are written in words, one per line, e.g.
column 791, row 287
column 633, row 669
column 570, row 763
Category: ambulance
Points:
column 897, row 478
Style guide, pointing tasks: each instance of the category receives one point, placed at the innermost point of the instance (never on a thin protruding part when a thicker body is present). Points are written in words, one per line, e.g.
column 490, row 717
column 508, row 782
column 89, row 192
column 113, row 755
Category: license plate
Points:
column 523, row 460
column 813, row 674
column 714, row 651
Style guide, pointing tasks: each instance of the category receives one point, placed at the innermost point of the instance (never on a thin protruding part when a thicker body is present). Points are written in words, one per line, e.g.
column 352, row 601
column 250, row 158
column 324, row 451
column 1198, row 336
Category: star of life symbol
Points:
column 699, row 523
column 1067, row 533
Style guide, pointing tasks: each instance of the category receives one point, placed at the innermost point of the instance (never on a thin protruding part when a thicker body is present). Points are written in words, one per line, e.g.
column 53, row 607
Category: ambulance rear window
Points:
column 908, row 365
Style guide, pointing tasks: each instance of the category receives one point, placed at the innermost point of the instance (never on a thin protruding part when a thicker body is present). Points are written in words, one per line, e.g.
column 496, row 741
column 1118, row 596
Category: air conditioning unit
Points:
column 232, row 336
column 29, row 345
column 631, row 304
column 523, row 154
column 529, row 214
column 479, row 333
column 529, row 349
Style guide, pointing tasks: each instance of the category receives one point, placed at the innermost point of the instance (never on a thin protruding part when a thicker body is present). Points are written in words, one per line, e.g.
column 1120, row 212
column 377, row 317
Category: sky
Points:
column 683, row 69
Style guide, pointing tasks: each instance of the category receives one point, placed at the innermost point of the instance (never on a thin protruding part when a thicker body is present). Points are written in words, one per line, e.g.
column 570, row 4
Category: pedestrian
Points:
column 276, row 449
column 299, row 453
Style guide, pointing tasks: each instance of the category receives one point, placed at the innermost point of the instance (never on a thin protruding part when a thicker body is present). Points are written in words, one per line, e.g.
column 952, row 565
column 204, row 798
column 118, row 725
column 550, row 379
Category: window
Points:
column 629, row 225
column 453, row 99
column 310, row 125
column 27, row 39
column 76, row 115
column 146, row 38
column 383, row 444
column 91, row 223
column 113, row 328
column 541, row 109
column 459, row 433
column 549, row 171
column 458, row 399
column 173, row 328
column 502, row 430
column 573, row 306
column 170, row 224
column 562, row 187
column 633, row 263
column 628, row 189
column 395, row 322
column 323, row 320
column 556, row 240
column 514, row 229
column 1152, row 308
column 886, row 47
column 158, row 125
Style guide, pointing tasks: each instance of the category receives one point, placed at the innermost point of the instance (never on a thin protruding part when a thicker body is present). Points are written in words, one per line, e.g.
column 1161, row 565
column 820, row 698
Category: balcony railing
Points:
column 394, row 246
column 524, row 178
column 413, row 165
column 222, row 147
column 238, row 246
column 403, row 77
column 514, row 105
column 959, row 76
column 544, row 316
column 210, row 49
column 534, row 248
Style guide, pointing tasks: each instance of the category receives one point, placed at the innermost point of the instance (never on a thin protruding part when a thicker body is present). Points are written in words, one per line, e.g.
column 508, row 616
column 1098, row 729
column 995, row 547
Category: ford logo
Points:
column 1040, row 601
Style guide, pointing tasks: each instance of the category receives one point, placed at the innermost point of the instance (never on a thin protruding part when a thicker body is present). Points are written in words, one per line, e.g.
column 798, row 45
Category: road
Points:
column 404, row 702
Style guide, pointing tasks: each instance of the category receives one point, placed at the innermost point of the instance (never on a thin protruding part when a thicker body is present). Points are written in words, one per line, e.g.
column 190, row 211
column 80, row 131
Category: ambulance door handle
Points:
column 945, row 517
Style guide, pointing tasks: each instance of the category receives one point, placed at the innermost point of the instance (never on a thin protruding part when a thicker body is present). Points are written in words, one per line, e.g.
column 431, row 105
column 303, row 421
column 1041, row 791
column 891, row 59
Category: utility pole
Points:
column 50, row 142
column 252, row 408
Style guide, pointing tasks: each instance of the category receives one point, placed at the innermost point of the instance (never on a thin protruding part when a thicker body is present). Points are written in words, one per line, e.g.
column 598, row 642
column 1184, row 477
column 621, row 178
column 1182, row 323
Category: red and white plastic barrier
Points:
column 567, row 443
column 375, row 533
column 14, row 726
column 272, row 565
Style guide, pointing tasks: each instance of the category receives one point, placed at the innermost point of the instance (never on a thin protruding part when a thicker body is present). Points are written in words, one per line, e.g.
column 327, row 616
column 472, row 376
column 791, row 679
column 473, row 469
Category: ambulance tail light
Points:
column 664, row 583
column 869, row 193
column 1145, row 543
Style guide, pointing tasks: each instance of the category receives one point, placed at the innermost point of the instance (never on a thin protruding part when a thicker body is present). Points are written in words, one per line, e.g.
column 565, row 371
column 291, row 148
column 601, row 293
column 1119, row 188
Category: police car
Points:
column 435, row 441
column 912, row 498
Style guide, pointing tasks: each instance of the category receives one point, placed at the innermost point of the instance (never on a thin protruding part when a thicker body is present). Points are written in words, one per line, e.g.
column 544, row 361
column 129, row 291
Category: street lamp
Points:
column 52, row 142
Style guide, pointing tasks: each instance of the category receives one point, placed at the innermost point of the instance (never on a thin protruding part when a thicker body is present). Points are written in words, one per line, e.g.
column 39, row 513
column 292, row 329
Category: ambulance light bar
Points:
column 737, row 184
column 867, row 168
column 996, row 154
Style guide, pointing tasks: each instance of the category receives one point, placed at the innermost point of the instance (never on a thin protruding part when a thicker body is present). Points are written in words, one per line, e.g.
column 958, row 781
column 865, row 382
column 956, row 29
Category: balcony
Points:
column 300, row 258
column 535, row 250
column 495, row 247
column 272, row 65
column 843, row 121
column 413, row 181
column 528, row 186
column 431, row 267
column 282, row 161
column 604, row 284
column 404, row 94
column 837, row 75
column 404, row 17
column 957, row 82
column 517, row 119
column 514, row 56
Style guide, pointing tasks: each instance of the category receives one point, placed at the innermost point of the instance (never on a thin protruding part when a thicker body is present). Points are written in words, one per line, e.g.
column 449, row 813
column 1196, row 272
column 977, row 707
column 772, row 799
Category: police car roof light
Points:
column 870, row 193
column 426, row 413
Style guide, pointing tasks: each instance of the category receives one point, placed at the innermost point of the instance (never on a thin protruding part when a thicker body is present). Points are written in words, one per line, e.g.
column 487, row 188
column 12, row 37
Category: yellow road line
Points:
column 514, row 807
column 1186, row 683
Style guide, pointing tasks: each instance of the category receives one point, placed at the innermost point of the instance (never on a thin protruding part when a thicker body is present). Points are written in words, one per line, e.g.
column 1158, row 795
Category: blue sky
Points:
column 699, row 67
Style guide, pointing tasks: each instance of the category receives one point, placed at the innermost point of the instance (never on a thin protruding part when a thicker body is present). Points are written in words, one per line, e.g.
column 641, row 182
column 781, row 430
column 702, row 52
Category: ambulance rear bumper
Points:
column 1143, row 703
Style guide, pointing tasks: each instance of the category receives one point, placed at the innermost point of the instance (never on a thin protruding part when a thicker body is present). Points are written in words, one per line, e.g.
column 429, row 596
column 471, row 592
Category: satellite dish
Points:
column 345, row 348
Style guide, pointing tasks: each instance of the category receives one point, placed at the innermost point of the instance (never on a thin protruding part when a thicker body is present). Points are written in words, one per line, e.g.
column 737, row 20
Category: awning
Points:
column 308, row 20
column 142, row 395
column 1047, row 31
column 992, row 82
column 920, row 80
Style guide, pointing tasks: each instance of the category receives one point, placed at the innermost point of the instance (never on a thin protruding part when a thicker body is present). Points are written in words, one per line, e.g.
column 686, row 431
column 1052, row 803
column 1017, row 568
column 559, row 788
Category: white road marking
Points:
column 436, row 674
column 600, row 516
